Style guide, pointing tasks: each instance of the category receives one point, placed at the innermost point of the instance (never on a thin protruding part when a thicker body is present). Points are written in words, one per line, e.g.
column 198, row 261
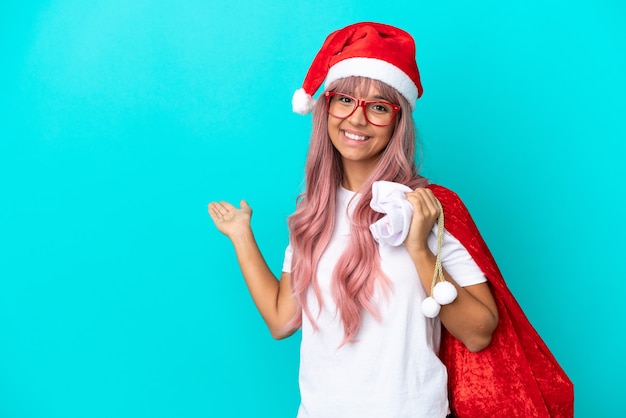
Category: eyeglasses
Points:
column 378, row 113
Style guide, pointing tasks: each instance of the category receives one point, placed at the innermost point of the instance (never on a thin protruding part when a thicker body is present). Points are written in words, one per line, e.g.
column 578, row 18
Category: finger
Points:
column 245, row 206
column 429, row 198
column 430, row 201
column 212, row 208
column 227, row 206
column 424, row 203
column 417, row 198
column 221, row 209
column 218, row 209
column 214, row 212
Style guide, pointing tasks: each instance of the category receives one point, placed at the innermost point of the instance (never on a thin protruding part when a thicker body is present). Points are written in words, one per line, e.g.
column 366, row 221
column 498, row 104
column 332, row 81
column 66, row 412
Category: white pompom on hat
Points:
column 373, row 50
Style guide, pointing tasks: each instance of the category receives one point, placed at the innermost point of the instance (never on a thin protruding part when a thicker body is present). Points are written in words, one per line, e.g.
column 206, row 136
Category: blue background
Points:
column 120, row 121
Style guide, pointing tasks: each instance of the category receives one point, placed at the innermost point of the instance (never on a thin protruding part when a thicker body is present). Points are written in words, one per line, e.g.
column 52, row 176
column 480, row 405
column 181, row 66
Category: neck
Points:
column 355, row 174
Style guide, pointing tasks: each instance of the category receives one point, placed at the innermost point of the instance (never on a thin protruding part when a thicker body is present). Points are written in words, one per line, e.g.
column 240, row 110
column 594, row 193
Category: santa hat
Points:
column 374, row 50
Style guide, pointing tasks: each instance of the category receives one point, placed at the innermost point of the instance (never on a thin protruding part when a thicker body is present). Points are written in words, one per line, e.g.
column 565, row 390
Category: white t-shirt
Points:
column 392, row 371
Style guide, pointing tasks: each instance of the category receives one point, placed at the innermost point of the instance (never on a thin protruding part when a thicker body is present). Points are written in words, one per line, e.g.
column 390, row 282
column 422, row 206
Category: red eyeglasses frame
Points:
column 361, row 103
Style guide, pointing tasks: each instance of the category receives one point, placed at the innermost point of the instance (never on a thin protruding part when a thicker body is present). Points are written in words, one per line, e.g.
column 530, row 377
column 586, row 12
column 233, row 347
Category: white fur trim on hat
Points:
column 377, row 70
column 302, row 102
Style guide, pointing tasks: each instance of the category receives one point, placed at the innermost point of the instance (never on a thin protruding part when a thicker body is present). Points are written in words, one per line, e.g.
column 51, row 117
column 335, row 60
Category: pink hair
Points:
column 358, row 270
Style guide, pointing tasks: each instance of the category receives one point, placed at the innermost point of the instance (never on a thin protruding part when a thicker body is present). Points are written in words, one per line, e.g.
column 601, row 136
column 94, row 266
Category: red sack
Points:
column 516, row 375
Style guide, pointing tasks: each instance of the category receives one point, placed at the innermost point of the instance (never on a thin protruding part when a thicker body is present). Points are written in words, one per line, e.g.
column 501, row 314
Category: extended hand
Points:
column 229, row 219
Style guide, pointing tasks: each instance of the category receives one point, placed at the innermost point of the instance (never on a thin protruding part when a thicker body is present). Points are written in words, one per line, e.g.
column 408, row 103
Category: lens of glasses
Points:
column 377, row 113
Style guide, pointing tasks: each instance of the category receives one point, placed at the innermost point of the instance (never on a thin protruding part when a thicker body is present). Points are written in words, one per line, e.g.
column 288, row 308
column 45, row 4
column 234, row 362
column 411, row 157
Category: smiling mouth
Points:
column 355, row 137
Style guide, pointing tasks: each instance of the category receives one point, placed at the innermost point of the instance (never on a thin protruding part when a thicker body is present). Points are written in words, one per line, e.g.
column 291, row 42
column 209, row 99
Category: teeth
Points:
column 354, row 137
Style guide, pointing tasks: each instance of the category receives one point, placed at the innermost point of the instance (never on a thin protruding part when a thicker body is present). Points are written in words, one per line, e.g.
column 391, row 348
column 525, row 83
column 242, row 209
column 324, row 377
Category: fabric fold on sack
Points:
column 390, row 198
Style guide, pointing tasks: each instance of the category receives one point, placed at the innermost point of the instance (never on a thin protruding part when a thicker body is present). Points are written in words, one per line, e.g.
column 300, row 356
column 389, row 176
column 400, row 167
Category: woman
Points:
column 367, row 349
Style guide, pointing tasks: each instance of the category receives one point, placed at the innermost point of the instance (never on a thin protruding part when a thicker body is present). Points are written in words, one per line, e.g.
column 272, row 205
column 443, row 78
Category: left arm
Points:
column 473, row 316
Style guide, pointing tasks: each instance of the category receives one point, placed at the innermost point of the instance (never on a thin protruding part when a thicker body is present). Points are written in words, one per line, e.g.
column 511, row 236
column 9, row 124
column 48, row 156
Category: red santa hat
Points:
column 374, row 50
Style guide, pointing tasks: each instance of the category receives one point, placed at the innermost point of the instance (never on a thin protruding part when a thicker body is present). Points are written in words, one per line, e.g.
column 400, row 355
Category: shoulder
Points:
column 458, row 219
column 460, row 224
column 445, row 195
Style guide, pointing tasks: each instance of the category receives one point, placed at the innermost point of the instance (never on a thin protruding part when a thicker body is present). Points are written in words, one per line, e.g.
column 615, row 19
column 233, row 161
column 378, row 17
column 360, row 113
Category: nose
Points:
column 358, row 117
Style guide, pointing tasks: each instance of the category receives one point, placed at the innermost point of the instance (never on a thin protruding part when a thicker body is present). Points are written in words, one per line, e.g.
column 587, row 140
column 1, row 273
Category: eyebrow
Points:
column 376, row 97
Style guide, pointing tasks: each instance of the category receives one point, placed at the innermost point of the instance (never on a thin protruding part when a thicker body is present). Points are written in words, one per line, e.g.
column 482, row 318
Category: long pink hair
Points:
column 358, row 270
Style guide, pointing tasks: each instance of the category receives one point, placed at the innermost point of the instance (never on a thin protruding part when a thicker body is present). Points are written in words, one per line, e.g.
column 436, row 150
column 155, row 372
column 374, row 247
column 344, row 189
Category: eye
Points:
column 380, row 107
column 347, row 100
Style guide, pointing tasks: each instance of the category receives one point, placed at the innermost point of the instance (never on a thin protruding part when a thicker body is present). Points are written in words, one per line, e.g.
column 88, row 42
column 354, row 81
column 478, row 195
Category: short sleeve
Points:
column 287, row 259
column 456, row 260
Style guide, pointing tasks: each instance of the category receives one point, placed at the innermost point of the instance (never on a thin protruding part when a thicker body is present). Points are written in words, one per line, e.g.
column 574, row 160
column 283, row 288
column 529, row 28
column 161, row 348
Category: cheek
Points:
column 333, row 129
column 332, row 132
column 333, row 124
column 387, row 136
column 390, row 131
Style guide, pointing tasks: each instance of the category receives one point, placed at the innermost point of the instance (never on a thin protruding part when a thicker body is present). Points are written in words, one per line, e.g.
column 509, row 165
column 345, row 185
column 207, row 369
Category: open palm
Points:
column 229, row 219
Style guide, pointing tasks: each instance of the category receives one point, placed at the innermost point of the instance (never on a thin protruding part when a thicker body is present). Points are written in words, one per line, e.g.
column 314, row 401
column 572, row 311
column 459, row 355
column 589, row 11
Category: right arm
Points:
column 272, row 297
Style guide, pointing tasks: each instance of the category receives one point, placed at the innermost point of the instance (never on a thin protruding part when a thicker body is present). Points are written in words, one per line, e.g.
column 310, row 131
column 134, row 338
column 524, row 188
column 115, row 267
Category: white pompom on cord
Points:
column 302, row 102
column 444, row 293
column 430, row 307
